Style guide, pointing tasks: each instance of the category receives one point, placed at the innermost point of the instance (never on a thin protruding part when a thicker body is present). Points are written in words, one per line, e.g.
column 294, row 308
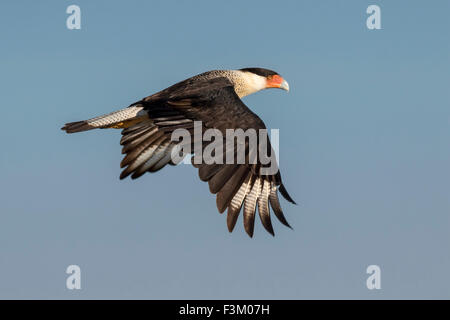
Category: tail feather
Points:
column 77, row 126
column 117, row 119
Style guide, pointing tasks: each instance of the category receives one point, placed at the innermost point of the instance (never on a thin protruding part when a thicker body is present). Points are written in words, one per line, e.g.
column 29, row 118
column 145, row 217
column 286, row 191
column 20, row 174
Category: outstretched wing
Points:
column 148, row 147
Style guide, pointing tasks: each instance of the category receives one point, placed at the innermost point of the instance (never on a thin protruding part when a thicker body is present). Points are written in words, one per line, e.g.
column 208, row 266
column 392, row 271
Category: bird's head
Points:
column 259, row 79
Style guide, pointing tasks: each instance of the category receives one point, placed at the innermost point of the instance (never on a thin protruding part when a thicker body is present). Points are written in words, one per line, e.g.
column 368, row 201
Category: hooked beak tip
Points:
column 284, row 85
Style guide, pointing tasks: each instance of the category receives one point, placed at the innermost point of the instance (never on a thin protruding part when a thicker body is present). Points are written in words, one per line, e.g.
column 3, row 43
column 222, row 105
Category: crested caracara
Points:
column 214, row 98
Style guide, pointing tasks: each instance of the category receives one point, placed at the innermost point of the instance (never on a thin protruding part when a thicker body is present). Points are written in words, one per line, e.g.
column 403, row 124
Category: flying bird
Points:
column 214, row 98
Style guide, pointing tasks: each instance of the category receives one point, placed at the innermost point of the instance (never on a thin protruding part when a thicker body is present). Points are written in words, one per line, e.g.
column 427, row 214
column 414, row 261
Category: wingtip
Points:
column 124, row 174
column 286, row 224
column 285, row 194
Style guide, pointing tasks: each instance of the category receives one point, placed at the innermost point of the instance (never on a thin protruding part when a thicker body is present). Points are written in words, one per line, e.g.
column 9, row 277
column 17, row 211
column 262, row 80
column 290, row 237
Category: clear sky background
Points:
column 364, row 151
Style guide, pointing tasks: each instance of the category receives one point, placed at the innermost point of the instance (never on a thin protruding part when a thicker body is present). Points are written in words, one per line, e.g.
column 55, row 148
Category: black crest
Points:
column 260, row 71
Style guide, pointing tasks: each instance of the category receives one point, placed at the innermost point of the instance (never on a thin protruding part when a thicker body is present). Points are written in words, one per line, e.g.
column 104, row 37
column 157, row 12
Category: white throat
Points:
column 249, row 83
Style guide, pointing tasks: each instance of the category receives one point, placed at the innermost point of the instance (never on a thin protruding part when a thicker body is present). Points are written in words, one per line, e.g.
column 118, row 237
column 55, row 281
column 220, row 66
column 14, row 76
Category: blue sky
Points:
column 364, row 151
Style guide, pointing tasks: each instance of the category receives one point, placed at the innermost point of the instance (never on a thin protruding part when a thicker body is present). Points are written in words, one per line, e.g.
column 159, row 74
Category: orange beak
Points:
column 277, row 81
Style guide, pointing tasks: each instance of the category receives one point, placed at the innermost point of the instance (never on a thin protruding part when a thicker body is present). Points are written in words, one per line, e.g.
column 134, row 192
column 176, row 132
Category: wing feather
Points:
column 135, row 153
column 164, row 160
column 236, row 203
column 221, row 177
column 250, row 207
column 144, row 136
column 263, row 207
column 157, row 155
column 143, row 156
column 275, row 204
column 227, row 192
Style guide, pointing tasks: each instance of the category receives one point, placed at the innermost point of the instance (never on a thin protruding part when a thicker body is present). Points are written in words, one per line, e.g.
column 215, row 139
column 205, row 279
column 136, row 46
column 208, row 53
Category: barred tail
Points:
column 117, row 119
